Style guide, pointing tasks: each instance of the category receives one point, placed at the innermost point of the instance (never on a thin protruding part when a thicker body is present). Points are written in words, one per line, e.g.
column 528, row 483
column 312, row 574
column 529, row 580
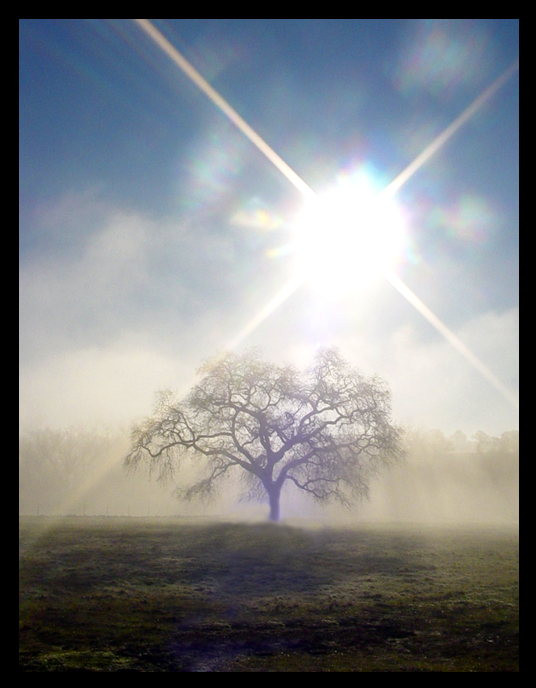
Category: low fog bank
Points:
column 452, row 480
column 455, row 480
column 80, row 472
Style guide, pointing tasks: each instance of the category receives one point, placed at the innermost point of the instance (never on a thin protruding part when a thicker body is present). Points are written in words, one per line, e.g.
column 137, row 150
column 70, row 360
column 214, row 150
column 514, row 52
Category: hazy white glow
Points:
column 265, row 312
column 451, row 337
column 348, row 236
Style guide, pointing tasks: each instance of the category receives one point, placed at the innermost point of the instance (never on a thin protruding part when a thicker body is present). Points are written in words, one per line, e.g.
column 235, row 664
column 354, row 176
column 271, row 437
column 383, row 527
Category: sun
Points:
column 349, row 235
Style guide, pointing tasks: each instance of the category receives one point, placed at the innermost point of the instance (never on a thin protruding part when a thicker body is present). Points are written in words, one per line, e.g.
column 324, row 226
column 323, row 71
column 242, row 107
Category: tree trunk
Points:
column 274, row 495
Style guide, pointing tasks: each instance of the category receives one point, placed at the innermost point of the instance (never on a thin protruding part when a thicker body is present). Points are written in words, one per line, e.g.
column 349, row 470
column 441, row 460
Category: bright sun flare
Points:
column 349, row 235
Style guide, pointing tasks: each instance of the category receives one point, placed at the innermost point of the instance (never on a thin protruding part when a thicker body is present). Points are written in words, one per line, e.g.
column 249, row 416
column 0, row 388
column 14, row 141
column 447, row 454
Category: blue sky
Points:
column 152, row 231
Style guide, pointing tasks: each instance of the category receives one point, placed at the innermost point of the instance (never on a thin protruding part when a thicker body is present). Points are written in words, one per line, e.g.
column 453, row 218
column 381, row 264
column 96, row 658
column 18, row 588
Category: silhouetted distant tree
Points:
column 459, row 442
column 423, row 444
column 510, row 442
column 327, row 431
column 483, row 442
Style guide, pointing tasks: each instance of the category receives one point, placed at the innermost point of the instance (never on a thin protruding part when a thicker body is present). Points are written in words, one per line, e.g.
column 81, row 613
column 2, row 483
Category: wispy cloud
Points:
column 112, row 315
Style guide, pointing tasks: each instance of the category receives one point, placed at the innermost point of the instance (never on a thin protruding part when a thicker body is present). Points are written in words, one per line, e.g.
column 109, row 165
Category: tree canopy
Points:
column 327, row 430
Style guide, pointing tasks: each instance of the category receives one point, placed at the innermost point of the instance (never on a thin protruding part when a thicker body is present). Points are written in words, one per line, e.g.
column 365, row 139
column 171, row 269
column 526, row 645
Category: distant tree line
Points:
column 454, row 478
column 80, row 470
column 496, row 457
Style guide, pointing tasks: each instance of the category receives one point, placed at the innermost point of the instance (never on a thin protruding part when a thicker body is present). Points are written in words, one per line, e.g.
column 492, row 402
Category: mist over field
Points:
column 454, row 480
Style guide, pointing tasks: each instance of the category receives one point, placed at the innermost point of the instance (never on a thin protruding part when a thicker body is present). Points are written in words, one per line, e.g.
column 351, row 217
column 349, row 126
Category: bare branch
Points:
column 327, row 431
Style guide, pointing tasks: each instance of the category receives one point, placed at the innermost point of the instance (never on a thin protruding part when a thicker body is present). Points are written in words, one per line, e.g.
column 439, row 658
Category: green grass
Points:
column 147, row 595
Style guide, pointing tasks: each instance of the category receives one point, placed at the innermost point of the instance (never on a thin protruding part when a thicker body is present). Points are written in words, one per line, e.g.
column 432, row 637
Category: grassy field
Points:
column 148, row 595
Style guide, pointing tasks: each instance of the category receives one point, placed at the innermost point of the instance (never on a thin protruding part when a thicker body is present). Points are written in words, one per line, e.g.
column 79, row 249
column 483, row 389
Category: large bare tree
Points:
column 328, row 430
